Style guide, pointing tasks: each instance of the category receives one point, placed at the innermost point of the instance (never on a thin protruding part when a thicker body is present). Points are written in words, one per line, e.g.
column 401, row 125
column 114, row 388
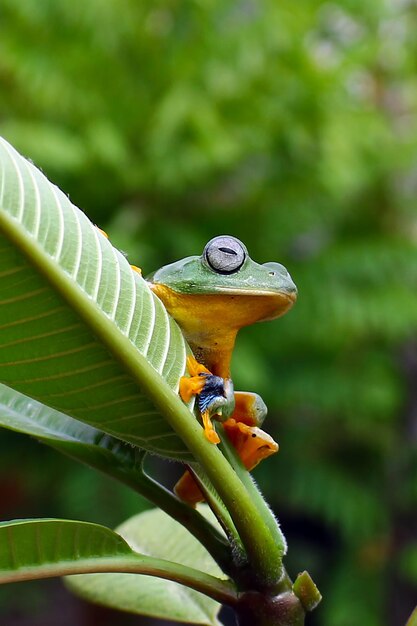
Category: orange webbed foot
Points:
column 190, row 387
column 252, row 444
column 194, row 385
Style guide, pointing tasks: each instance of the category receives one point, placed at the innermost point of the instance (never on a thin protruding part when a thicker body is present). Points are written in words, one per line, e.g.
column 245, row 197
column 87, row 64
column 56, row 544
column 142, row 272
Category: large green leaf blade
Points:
column 52, row 255
column 150, row 596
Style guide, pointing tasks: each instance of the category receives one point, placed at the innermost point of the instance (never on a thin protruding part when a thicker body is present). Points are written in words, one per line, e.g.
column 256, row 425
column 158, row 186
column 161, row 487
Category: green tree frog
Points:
column 212, row 297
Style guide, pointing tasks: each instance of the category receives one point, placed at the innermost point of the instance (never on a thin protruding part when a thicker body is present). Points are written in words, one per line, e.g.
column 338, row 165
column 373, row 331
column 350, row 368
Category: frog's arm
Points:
column 252, row 444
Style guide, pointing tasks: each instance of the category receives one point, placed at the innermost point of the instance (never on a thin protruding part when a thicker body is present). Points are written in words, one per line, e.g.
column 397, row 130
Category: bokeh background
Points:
column 291, row 125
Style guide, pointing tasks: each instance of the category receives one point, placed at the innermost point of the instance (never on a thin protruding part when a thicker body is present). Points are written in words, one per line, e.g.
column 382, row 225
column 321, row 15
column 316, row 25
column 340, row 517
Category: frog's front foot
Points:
column 214, row 395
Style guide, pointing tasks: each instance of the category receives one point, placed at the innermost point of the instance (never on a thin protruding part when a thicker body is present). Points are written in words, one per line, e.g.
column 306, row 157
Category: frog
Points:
column 212, row 297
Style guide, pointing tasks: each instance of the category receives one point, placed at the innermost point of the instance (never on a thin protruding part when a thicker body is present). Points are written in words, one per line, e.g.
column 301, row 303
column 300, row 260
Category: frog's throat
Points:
column 210, row 322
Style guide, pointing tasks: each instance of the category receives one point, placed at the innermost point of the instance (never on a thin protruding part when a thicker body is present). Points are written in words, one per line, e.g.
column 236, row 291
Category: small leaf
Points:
column 34, row 549
column 41, row 548
column 306, row 591
column 156, row 534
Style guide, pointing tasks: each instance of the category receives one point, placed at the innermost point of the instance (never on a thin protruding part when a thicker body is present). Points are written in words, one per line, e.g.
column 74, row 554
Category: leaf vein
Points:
column 57, row 331
column 32, row 318
column 24, row 296
column 48, row 357
column 10, row 151
column 60, row 241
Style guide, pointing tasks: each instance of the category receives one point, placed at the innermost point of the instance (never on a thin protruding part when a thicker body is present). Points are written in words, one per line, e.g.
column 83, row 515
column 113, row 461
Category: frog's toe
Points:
column 136, row 269
column 103, row 232
column 190, row 386
column 209, row 430
column 249, row 408
column 195, row 368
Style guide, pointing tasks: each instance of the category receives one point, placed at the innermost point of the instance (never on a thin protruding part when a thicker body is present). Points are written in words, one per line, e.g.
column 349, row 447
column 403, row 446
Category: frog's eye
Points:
column 225, row 254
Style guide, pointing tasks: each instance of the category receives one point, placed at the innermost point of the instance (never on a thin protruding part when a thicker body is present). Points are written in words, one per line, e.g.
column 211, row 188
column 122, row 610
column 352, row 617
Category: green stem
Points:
column 220, row 511
column 222, row 591
column 214, row 542
column 255, row 609
column 231, row 455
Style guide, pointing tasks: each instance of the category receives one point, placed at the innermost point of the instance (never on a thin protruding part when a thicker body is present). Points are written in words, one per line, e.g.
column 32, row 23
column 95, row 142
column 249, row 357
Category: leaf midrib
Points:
column 122, row 349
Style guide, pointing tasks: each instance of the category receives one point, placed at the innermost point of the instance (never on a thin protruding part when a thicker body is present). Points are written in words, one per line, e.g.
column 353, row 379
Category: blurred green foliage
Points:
column 291, row 126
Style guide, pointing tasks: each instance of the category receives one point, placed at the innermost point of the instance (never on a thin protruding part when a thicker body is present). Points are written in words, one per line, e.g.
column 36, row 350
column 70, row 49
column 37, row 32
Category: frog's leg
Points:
column 252, row 445
column 188, row 490
column 193, row 384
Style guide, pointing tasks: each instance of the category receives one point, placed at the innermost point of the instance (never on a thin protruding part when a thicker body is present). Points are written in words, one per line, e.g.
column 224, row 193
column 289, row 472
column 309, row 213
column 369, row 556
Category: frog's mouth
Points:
column 282, row 302
column 226, row 311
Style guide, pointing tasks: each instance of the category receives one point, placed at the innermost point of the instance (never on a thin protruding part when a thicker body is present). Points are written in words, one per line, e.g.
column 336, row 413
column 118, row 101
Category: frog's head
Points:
column 213, row 295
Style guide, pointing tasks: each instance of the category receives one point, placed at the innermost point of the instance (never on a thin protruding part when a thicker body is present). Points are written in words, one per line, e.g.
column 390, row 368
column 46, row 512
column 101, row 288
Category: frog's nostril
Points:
column 271, row 273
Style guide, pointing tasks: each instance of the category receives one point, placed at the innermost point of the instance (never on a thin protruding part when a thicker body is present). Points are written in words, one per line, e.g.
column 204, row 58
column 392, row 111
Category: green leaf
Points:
column 35, row 549
column 41, row 548
column 150, row 596
column 79, row 329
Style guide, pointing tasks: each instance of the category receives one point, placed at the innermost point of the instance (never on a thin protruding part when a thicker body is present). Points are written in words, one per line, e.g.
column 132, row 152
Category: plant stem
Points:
column 256, row 496
column 220, row 511
column 214, row 542
column 255, row 609
column 222, row 591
